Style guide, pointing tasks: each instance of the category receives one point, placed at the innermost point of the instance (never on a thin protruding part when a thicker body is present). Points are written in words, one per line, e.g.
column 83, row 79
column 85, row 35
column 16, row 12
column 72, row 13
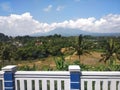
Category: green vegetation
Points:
column 112, row 52
column 63, row 51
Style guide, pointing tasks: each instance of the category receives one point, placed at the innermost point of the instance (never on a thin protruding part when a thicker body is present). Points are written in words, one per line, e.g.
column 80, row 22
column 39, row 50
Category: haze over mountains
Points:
column 73, row 32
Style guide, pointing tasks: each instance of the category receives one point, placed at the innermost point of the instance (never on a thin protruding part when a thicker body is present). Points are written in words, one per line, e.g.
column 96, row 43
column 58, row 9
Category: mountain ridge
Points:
column 73, row 32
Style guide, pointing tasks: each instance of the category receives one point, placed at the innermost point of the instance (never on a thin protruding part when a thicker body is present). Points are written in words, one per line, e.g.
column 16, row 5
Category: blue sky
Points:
column 46, row 15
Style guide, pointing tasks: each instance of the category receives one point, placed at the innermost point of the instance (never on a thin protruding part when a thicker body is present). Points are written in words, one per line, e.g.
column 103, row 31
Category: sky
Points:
column 26, row 17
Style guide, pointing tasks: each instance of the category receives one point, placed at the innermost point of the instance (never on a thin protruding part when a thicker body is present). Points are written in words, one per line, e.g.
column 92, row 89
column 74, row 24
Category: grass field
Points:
column 91, row 59
column 87, row 59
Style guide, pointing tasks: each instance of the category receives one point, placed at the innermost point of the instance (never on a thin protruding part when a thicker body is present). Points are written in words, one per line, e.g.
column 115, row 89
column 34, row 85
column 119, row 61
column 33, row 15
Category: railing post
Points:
column 9, row 80
column 74, row 77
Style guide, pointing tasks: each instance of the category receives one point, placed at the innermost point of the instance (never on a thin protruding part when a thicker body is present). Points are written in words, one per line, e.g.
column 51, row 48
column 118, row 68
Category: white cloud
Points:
column 6, row 6
column 59, row 8
column 19, row 24
column 48, row 8
column 25, row 24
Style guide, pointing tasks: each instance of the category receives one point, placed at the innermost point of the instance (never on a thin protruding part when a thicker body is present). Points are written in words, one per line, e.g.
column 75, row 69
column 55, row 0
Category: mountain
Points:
column 73, row 32
column 63, row 32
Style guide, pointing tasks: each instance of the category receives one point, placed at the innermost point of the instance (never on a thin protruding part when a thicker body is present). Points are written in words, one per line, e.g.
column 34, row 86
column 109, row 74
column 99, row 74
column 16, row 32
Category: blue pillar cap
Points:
column 74, row 68
column 9, row 68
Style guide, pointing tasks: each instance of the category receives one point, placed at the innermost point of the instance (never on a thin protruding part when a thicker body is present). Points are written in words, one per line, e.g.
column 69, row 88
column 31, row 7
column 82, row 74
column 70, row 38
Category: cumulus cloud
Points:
column 25, row 24
column 48, row 8
column 20, row 24
column 5, row 6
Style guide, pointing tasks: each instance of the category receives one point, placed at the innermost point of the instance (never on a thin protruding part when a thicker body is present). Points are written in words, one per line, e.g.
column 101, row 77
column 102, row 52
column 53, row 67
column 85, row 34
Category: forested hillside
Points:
column 4, row 38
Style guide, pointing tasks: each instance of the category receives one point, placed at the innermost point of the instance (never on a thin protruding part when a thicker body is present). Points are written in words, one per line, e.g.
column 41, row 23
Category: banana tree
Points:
column 61, row 64
column 112, row 52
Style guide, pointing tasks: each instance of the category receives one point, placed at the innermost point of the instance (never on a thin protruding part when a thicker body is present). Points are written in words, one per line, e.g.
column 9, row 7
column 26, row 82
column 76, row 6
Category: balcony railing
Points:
column 42, row 80
column 74, row 79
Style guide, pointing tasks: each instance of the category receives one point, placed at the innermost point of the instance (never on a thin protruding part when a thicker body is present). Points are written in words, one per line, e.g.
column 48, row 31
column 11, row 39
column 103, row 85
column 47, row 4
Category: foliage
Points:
column 61, row 64
column 97, row 68
column 28, row 68
column 82, row 46
column 106, row 68
column 112, row 52
column 32, row 48
column 46, row 68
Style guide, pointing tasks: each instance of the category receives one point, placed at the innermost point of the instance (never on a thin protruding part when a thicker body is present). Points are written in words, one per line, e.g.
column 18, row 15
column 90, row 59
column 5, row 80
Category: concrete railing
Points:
column 42, row 80
column 74, row 79
column 100, row 80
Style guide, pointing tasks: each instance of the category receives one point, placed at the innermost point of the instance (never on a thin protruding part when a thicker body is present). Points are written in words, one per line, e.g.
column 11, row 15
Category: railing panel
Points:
column 43, row 80
column 90, row 84
column 51, row 84
column 100, row 80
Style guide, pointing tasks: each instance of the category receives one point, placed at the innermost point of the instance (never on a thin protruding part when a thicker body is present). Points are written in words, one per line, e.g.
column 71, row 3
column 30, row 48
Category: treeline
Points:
column 31, row 48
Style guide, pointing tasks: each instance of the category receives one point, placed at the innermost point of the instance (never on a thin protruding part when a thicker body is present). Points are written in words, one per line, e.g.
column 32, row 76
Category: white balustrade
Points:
column 42, row 80
column 91, row 80
column 61, row 80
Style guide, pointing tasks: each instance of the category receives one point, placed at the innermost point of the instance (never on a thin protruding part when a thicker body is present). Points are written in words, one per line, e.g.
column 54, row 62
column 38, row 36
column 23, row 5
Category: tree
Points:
column 7, row 52
column 112, row 52
column 81, row 46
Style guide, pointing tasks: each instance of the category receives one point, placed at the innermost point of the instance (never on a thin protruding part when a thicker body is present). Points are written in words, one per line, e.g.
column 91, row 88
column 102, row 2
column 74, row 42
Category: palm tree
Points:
column 81, row 46
column 80, row 49
column 112, row 52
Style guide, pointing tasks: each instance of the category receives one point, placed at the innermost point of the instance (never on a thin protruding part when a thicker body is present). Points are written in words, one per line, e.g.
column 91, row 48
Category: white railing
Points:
column 100, row 80
column 1, row 80
column 42, row 80
column 74, row 79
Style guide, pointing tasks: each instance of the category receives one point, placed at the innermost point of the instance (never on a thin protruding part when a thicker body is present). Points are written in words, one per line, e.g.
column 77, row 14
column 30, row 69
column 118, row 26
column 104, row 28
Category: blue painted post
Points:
column 74, row 77
column 9, row 81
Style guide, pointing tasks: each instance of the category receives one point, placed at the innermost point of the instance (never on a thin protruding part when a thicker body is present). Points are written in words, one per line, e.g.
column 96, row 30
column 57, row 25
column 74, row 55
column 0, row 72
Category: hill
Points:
column 3, row 37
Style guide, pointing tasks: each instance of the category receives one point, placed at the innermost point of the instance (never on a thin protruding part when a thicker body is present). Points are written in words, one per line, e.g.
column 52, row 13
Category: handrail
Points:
column 42, row 74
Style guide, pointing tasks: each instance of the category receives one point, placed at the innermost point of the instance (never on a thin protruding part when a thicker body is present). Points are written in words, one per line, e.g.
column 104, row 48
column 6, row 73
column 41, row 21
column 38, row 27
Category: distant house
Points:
column 38, row 43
